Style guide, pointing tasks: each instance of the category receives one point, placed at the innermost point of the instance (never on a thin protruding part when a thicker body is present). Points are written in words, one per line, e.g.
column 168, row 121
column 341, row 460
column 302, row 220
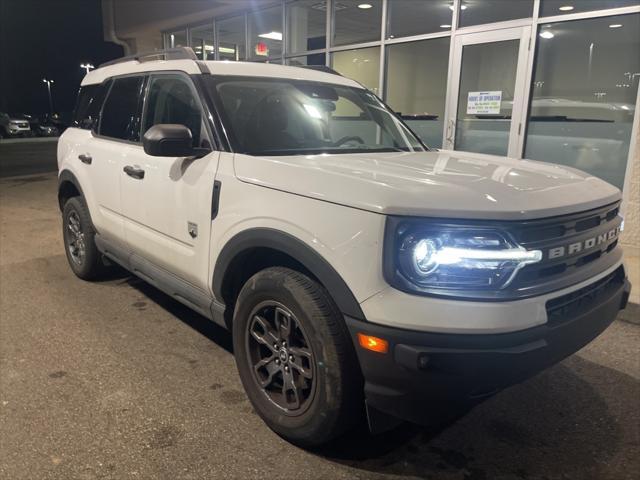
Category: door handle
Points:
column 449, row 135
column 85, row 158
column 134, row 172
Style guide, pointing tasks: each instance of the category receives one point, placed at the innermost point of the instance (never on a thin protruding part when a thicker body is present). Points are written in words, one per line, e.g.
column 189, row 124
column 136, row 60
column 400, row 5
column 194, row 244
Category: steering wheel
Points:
column 346, row 139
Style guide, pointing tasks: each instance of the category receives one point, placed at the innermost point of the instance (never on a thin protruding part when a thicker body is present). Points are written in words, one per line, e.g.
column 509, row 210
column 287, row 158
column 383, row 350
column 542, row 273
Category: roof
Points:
column 223, row 67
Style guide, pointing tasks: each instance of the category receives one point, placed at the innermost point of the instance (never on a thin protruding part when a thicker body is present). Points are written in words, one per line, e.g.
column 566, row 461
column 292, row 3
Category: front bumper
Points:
column 424, row 374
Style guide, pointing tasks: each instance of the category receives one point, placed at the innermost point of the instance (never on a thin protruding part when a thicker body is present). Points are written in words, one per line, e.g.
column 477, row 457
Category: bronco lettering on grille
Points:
column 583, row 245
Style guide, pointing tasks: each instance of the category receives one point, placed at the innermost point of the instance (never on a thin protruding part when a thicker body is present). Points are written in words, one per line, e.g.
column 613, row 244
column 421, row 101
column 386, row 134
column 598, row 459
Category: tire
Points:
column 322, row 407
column 79, row 240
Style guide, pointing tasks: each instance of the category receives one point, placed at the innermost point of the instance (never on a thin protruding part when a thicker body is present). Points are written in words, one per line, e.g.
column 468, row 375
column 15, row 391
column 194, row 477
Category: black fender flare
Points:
column 299, row 251
column 68, row 176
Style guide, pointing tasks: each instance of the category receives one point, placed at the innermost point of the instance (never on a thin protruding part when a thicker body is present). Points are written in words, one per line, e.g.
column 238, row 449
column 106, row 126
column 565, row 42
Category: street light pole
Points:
column 87, row 66
column 49, row 83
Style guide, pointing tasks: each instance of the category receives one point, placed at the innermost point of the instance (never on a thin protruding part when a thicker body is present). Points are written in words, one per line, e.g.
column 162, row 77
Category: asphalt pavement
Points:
column 115, row 380
column 27, row 156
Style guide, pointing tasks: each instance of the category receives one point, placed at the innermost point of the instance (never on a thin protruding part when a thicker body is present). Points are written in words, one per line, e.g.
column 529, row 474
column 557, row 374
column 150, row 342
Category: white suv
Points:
column 358, row 270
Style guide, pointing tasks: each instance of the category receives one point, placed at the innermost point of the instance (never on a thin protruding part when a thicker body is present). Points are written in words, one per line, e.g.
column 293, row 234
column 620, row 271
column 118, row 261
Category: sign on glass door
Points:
column 484, row 103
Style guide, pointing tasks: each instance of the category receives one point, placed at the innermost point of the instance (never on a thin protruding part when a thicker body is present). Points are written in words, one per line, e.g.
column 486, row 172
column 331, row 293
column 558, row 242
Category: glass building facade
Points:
column 550, row 80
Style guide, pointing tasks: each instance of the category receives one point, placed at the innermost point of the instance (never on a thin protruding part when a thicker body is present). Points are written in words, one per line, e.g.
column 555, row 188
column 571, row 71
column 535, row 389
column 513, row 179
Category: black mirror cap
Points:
column 168, row 140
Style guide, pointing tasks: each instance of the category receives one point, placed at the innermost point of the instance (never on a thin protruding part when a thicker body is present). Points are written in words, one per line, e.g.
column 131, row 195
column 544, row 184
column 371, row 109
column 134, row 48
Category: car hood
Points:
column 433, row 184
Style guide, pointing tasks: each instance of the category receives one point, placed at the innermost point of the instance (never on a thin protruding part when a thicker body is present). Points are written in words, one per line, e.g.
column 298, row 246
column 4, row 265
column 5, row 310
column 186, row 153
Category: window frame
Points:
column 389, row 20
column 388, row 73
column 96, row 132
column 226, row 123
column 215, row 132
column 211, row 24
column 382, row 23
column 535, row 8
column 537, row 25
column 245, row 34
column 287, row 51
column 248, row 30
column 204, row 111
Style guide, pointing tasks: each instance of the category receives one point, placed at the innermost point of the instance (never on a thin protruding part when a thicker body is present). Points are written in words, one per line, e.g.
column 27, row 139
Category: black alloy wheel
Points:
column 282, row 359
column 295, row 357
column 79, row 240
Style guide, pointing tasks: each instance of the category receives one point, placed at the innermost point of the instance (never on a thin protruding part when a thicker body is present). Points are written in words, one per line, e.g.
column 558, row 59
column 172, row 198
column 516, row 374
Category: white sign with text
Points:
column 487, row 103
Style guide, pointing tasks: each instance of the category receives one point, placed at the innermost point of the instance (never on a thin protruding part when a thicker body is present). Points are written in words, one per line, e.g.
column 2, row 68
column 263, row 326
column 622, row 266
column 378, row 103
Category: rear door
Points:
column 167, row 204
column 119, row 127
column 78, row 149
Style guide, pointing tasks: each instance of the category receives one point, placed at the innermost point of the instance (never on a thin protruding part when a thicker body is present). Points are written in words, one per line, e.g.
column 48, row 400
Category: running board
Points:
column 174, row 286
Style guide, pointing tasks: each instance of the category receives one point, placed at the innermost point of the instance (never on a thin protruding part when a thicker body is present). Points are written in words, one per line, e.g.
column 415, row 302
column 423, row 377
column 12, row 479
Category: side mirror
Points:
column 170, row 140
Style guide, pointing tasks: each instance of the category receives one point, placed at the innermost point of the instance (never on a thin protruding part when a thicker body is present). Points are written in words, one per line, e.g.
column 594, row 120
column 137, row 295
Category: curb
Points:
column 631, row 314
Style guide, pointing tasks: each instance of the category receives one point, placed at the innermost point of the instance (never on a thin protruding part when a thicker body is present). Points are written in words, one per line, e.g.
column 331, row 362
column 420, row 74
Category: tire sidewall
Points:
column 89, row 266
column 321, row 414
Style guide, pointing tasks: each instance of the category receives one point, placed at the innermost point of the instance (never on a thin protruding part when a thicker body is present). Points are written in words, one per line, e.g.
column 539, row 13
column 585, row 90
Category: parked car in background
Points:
column 59, row 120
column 12, row 126
column 33, row 120
column 46, row 127
column 48, row 131
column 42, row 125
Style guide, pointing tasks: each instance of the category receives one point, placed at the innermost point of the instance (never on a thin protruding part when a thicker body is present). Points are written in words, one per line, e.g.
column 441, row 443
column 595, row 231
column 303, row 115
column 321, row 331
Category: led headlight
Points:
column 431, row 258
column 424, row 256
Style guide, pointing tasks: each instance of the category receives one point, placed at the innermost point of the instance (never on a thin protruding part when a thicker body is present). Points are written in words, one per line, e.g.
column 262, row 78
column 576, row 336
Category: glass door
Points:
column 487, row 99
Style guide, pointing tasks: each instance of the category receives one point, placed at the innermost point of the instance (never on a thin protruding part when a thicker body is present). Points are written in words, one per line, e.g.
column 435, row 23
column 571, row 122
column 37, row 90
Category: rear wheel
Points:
column 79, row 240
column 295, row 357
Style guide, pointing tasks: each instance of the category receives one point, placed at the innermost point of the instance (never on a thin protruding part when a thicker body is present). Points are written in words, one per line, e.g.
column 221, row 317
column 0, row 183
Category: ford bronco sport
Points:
column 358, row 270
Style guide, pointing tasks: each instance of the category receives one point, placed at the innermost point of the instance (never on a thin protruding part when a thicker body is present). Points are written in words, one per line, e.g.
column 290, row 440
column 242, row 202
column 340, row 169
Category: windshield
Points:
column 266, row 116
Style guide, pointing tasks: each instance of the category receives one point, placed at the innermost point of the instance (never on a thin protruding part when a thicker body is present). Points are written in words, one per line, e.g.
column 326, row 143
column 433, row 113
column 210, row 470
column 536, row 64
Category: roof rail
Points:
column 178, row 53
column 320, row 68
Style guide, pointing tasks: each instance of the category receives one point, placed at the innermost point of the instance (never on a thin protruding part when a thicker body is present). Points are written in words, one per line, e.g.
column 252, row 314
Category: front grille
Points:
column 593, row 235
column 566, row 307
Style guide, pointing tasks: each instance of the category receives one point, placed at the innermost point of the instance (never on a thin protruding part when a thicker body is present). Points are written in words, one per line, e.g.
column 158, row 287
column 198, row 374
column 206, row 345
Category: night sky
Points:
column 48, row 38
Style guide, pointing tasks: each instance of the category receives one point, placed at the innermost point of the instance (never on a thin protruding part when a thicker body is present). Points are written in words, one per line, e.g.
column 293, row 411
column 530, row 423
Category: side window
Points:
column 87, row 112
column 171, row 99
column 121, row 112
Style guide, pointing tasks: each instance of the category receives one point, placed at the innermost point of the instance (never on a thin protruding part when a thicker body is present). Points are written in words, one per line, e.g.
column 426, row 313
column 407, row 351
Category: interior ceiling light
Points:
column 462, row 7
column 272, row 35
column 445, row 26
column 365, row 6
column 566, row 8
column 547, row 34
column 615, row 25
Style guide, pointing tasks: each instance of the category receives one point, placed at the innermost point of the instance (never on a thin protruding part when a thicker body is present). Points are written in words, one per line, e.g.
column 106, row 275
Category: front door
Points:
column 486, row 102
column 166, row 201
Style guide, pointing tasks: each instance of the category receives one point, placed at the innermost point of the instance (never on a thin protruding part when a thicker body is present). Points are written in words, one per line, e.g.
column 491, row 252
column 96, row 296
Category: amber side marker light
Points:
column 375, row 344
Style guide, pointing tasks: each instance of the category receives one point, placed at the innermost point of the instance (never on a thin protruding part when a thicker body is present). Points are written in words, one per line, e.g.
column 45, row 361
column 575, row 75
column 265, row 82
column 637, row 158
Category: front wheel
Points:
column 295, row 357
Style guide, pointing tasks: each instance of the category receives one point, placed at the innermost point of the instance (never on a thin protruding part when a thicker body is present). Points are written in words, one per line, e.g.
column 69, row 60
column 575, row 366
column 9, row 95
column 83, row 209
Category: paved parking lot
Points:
column 114, row 380
column 25, row 156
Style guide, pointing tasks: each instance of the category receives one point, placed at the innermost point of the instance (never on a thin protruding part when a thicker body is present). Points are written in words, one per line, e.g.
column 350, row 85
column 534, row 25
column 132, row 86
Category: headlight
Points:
column 464, row 259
